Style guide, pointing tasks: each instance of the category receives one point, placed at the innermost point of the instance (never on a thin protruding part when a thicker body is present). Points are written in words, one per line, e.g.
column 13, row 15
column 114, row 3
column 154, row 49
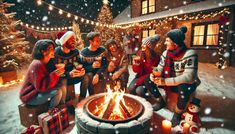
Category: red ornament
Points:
column 223, row 20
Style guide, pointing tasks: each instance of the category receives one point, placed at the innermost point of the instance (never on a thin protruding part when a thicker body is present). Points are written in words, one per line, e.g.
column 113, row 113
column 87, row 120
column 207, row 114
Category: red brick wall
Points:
column 135, row 8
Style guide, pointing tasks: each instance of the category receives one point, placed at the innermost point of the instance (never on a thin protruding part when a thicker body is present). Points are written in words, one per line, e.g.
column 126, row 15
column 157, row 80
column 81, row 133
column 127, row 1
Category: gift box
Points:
column 54, row 122
column 33, row 129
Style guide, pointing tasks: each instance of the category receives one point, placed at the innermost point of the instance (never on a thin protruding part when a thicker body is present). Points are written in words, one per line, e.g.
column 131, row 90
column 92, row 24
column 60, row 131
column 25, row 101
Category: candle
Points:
column 186, row 128
column 166, row 127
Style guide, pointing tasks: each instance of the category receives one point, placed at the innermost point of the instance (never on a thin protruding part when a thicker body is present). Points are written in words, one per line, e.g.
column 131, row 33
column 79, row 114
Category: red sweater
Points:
column 38, row 79
column 144, row 69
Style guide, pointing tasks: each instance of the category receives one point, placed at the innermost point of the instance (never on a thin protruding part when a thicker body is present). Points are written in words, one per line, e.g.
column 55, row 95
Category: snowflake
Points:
column 181, row 11
column 224, row 97
column 221, row 76
column 233, row 50
column 222, row 125
column 19, row 1
column 182, row 96
column 129, row 15
column 86, row 4
column 220, row 4
column 207, row 111
column 147, row 94
column 166, row 72
column 116, row 132
column 150, row 129
column 226, row 55
column 207, row 47
column 143, row 86
column 184, row 2
column 33, row 11
column 111, row 4
column 45, row 18
column 48, row 22
column 166, row 7
column 30, row 115
column 155, row 126
column 49, row 99
column 98, row 10
column 119, row 11
column 53, row 2
column 214, row 54
column 27, row 12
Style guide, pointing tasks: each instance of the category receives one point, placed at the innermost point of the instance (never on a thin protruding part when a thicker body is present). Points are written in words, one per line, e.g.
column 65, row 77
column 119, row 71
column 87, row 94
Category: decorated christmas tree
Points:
column 105, row 17
column 76, row 30
column 12, row 42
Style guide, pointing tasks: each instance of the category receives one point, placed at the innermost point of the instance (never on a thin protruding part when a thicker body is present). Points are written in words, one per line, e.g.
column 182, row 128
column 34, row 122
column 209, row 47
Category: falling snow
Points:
column 27, row 12
column 207, row 111
column 226, row 55
column 45, row 18
column 214, row 54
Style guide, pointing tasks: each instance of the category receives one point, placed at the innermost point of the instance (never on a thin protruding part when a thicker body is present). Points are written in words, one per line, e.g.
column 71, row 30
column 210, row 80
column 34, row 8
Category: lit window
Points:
column 148, row 6
column 147, row 33
column 205, row 34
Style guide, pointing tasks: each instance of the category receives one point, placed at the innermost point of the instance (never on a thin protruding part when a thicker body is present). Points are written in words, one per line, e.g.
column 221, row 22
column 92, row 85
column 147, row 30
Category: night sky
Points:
column 29, row 12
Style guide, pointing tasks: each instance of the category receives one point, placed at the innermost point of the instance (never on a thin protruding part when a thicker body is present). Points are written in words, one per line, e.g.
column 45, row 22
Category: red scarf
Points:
column 168, row 69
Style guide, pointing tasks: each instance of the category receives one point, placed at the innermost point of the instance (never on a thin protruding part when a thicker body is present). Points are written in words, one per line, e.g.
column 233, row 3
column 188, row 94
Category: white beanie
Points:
column 65, row 38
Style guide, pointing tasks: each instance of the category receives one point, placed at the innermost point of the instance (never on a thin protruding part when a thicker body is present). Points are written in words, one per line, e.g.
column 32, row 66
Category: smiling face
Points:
column 49, row 52
column 70, row 43
column 113, row 47
column 95, row 43
column 170, row 45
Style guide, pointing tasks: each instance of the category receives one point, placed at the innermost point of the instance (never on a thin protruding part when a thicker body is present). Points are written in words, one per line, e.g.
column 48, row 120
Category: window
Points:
column 148, row 6
column 205, row 34
column 147, row 33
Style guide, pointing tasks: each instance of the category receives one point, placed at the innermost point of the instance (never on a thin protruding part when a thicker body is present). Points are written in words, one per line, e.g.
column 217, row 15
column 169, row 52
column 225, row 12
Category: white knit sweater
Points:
column 186, row 69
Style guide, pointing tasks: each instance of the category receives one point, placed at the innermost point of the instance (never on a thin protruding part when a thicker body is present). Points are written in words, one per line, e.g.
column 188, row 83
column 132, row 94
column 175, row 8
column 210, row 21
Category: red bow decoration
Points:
column 31, row 130
column 223, row 20
column 53, row 111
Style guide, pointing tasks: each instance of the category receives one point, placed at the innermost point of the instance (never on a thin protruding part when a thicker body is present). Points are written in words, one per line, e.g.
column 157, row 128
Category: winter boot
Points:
column 160, row 103
column 176, row 119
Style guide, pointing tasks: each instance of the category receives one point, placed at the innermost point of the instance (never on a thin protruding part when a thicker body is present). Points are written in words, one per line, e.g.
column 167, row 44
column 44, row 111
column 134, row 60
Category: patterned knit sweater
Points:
column 38, row 79
column 88, row 57
column 186, row 69
column 68, row 59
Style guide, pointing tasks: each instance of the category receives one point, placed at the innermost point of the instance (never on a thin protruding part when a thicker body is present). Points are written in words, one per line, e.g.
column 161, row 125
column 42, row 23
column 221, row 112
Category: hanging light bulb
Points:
column 50, row 7
column 39, row 2
column 82, row 20
column 68, row 15
column 60, row 11
column 76, row 17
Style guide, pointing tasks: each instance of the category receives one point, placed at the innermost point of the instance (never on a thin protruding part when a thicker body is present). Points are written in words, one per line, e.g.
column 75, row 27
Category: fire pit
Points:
column 113, row 112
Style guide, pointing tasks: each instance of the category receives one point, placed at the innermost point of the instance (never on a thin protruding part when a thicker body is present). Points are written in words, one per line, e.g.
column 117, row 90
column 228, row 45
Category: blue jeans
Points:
column 87, row 84
column 136, row 90
column 54, row 96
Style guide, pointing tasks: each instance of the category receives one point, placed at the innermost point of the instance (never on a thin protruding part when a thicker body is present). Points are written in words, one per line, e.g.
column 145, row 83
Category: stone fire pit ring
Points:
column 87, row 125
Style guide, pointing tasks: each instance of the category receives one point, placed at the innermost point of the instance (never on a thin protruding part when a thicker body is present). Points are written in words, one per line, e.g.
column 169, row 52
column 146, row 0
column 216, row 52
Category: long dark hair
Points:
column 39, row 46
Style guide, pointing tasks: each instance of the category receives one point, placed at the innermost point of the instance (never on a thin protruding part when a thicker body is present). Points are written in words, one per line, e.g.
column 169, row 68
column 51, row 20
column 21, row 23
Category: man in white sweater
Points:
column 177, row 71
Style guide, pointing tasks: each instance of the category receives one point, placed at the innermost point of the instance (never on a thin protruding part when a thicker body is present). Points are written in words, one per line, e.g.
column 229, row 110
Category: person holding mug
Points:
column 42, row 85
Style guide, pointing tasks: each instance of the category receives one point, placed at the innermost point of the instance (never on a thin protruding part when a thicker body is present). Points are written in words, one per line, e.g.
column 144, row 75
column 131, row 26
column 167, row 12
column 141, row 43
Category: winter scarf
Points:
column 168, row 69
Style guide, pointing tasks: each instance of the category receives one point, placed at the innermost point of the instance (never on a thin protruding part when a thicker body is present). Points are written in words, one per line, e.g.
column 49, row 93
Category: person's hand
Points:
column 111, row 66
column 156, row 73
column 60, row 69
column 159, row 81
column 77, row 73
column 115, row 76
column 95, row 79
column 96, row 64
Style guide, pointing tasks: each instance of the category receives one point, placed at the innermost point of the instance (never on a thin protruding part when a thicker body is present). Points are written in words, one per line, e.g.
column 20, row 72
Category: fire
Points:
column 113, row 107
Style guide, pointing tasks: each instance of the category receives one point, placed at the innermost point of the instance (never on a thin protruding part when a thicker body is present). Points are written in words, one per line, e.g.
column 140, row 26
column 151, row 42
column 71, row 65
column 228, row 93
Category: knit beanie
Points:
column 92, row 35
column 151, row 41
column 177, row 35
column 63, row 37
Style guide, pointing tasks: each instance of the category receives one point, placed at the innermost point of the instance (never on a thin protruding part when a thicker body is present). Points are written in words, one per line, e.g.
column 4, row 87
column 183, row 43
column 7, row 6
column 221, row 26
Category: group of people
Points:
column 54, row 70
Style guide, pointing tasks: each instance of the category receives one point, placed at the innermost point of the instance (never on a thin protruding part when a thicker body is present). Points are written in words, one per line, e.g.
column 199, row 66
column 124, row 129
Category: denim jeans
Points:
column 54, row 96
column 87, row 84
column 136, row 90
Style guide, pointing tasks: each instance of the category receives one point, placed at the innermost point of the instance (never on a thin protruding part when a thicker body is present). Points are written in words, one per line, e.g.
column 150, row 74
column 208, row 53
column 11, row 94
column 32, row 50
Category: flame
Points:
column 115, row 95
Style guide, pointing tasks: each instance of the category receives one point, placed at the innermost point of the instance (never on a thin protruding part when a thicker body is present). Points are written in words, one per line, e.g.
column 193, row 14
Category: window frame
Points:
column 148, row 1
column 148, row 32
column 204, row 45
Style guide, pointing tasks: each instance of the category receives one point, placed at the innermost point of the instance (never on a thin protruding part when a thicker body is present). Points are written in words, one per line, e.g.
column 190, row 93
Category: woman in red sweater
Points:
column 143, row 65
column 42, row 85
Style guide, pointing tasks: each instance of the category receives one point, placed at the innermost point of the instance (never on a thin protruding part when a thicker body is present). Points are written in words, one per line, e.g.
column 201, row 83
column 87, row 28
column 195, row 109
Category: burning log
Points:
column 109, row 108
column 123, row 107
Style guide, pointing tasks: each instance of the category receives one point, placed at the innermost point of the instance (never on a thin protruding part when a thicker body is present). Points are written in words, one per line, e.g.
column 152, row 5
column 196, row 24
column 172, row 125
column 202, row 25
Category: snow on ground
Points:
column 217, row 94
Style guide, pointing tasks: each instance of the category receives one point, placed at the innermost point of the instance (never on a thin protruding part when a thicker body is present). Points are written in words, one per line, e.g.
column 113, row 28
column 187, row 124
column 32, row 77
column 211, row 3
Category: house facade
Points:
column 210, row 24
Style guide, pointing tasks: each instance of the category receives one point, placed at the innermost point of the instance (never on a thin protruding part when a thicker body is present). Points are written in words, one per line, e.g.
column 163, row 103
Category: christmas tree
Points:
column 12, row 43
column 105, row 17
column 76, row 30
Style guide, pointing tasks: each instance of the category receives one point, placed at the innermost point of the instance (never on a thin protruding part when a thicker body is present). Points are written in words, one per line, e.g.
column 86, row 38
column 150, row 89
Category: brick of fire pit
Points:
column 106, row 128
column 87, row 125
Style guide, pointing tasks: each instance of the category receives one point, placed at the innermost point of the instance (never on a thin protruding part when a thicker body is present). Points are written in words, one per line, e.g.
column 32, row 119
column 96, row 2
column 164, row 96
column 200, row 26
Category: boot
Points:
column 160, row 103
column 176, row 119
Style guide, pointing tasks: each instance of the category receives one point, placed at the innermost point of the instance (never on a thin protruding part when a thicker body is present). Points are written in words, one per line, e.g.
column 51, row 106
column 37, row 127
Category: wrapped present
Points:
column 54, row 122
column 33, row 129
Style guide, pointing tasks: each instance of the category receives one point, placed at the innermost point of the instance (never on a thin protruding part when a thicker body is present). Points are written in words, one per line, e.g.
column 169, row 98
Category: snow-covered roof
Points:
column 125, row 16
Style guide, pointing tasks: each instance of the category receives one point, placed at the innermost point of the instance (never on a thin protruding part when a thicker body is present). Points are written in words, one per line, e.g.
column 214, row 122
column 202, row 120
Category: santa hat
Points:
column 177, row 35
column 151, row 41
column 63, row 37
